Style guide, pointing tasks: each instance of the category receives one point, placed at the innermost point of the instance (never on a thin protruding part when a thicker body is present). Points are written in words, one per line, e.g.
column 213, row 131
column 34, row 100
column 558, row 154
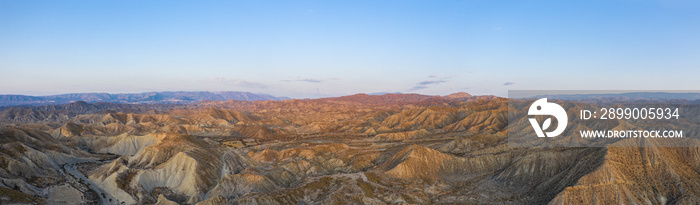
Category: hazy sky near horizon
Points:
column 308, row 49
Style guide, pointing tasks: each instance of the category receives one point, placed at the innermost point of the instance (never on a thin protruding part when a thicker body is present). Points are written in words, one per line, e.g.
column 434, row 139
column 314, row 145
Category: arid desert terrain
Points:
column 357, row 149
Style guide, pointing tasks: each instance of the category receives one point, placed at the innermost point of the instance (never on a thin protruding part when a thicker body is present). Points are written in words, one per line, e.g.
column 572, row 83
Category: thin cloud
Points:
column 508, row 83
column 238, row 82
column 311, row 80
column 308, row 80
column 429, row 82
column 424, row 84
column 418, row 87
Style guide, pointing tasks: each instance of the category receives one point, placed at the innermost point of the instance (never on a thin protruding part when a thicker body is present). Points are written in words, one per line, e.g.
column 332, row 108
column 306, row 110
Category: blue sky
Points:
column 309, row 49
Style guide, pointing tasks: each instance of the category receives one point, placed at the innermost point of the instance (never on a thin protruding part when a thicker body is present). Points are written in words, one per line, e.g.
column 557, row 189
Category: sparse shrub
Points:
column 124, row 179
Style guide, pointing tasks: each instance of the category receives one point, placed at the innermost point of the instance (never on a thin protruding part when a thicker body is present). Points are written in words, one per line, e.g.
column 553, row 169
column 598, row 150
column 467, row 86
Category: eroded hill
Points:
column 358, row 149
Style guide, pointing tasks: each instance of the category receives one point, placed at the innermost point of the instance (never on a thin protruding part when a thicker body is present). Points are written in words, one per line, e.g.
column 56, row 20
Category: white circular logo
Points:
column 542, row 107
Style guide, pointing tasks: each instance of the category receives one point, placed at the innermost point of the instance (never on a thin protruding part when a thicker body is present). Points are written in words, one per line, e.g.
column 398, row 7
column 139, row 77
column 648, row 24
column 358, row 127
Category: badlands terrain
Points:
column 358, row 149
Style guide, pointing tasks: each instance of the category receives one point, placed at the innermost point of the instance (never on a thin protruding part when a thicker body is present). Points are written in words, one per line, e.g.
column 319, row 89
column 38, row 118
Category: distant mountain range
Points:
column 137, row 98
